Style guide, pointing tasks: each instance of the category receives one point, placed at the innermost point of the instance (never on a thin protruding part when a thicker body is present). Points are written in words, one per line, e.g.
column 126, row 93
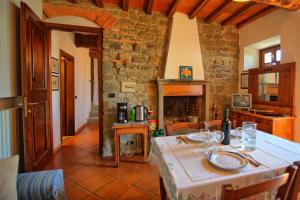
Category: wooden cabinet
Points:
column 278, row 126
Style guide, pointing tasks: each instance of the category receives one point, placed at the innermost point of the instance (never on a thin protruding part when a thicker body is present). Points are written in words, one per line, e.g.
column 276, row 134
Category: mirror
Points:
column 268, row 86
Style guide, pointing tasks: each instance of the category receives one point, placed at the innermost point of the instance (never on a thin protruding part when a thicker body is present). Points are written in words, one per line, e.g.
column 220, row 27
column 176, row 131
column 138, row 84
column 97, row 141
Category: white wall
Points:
column 286, row 24
column 184, row 48
column 65, row 41
column 9, row 40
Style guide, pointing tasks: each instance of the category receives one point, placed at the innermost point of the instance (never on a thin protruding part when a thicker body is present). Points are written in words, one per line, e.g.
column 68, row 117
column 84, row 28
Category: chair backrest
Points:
column 295, row 186
column 213, row 125
column 282, row 182
column 170, row 128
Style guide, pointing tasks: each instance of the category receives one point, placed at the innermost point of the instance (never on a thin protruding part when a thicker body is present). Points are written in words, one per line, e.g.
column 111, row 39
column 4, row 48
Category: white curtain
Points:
column 8, row 133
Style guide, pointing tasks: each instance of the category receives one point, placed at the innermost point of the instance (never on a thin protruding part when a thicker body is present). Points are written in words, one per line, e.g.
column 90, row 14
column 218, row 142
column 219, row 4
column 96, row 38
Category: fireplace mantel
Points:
column 181, row 88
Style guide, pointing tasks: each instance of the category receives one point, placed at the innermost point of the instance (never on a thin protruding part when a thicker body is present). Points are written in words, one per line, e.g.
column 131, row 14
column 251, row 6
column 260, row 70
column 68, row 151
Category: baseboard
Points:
column 56, row 149
column 80, row 128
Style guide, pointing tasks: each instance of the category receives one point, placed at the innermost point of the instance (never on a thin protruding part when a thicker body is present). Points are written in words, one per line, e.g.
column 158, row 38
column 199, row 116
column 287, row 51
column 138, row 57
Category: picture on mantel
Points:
column 186, row 73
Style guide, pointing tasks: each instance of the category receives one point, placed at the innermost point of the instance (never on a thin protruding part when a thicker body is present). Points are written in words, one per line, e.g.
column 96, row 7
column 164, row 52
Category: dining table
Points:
column 187, row 174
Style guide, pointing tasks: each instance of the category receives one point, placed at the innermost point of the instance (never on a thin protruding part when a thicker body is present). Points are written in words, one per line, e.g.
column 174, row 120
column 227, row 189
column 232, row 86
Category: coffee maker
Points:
column 122, row 115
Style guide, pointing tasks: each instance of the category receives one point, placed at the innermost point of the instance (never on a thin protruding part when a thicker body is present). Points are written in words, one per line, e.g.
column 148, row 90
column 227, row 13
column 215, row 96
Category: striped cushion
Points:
column 44, row 185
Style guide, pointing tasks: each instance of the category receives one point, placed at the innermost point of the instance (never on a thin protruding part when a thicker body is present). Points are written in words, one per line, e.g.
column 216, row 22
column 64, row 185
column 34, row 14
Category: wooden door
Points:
column 67, row 94
column 37, row 136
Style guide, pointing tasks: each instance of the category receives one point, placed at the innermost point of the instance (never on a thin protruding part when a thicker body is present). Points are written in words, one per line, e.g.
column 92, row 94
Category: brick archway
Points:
column 101, row 17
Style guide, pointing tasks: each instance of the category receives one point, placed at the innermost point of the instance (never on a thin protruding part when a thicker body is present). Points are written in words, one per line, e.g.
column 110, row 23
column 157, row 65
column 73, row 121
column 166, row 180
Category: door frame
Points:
column 63, row 101
column 99, row 32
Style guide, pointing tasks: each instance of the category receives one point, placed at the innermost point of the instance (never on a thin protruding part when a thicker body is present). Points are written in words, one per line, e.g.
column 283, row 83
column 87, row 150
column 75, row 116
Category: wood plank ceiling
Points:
column 224, row 12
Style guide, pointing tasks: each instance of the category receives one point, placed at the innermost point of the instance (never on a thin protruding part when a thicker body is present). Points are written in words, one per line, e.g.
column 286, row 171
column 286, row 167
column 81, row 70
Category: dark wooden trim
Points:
column 86, row 40
column 92, row 79
column 257, row 15
column 216, row 12
column 199, row 7
column 172, row 10
column 72, row 28
column 124, row 5
column 99, row 3
column 100, row 89
column 239, row 12
column 149, row 6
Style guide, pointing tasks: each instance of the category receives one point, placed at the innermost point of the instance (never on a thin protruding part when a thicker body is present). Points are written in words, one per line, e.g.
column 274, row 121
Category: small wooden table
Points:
column 127, row 129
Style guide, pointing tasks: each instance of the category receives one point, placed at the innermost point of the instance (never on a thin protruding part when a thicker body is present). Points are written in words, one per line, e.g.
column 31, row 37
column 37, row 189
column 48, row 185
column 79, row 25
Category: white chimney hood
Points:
column 184, row 48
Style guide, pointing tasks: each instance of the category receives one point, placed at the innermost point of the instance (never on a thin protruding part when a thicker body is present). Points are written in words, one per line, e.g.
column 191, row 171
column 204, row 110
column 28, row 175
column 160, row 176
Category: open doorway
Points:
column 78, row 51
column 67, row 95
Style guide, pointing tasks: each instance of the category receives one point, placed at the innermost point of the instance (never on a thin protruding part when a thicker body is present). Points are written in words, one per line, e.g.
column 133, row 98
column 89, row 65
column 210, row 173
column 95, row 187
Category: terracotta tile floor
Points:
column 87, row 178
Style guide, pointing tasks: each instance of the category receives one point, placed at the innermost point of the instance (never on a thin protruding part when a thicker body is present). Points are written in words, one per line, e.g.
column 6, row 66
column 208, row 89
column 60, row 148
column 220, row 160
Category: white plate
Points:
column 227, row 160
column 197, row 137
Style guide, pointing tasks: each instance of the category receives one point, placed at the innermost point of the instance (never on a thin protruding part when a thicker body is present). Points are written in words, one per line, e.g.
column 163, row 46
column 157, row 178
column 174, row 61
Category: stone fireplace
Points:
column 180, row 100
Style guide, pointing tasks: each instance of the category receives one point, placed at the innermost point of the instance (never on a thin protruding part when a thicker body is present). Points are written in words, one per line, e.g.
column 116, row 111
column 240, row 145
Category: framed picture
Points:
column 55, row 82
column 244, row 80
column 55, row 65
column 186, row 73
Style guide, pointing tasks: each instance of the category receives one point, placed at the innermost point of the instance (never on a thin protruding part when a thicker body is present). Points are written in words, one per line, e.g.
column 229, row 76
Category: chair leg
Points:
column 295, row 186
column 163, row 193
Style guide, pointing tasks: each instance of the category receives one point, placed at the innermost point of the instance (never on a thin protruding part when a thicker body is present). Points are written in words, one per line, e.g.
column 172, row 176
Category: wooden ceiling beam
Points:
column 149, row 6
column 94, row 53
column 288, row 4
column 200, row 6
column 86, row 41
column 172, row 10
column 99, row 3
column 257, row 15
column 74, row 1
column 124, row 4
column 238, row 13
column 216, row 12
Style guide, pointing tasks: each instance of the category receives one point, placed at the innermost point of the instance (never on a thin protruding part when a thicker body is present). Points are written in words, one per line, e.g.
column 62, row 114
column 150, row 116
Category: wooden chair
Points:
column 295, row 187
column 182, row 128
column 216, row 125
column 213, row 125
column 283, row 182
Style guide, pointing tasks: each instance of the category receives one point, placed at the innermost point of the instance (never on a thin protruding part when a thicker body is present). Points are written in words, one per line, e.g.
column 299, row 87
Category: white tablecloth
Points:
column 188, row 175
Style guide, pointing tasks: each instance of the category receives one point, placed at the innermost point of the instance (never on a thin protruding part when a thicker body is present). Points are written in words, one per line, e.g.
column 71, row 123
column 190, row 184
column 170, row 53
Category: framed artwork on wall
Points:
column 186, row 73
column 244, row 80
column 55, row 82
column 55, row 65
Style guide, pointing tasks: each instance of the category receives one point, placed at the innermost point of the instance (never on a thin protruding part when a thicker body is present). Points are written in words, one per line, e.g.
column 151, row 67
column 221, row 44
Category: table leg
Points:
column 145, row 135
column 163, row 193
column 117, row 146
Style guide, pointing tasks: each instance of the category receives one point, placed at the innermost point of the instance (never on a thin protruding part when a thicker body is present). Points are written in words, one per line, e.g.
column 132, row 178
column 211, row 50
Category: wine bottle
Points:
column 226, row 126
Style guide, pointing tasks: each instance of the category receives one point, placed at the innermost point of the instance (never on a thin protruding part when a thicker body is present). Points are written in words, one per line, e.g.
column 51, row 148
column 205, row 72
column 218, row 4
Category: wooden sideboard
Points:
column 279, row 126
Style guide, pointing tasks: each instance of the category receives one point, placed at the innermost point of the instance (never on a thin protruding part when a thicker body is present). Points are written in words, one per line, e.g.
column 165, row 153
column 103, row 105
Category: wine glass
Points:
column 214, row 138
column 218, row 137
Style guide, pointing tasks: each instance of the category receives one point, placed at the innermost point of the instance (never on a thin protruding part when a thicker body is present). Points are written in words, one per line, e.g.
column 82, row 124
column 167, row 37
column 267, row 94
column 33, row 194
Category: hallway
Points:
column 85, row 178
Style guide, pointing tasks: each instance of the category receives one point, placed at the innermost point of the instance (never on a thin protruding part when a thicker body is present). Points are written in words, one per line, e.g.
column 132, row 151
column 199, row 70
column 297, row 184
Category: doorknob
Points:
column 26, row 104
column 33, row 104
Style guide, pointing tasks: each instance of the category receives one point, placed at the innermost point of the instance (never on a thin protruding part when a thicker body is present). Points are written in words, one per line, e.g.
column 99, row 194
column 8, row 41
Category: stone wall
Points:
column 135, row 49
column 220, row 54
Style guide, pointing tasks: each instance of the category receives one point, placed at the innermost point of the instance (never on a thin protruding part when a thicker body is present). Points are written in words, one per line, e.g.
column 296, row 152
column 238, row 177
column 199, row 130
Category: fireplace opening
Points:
column 183, row 109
